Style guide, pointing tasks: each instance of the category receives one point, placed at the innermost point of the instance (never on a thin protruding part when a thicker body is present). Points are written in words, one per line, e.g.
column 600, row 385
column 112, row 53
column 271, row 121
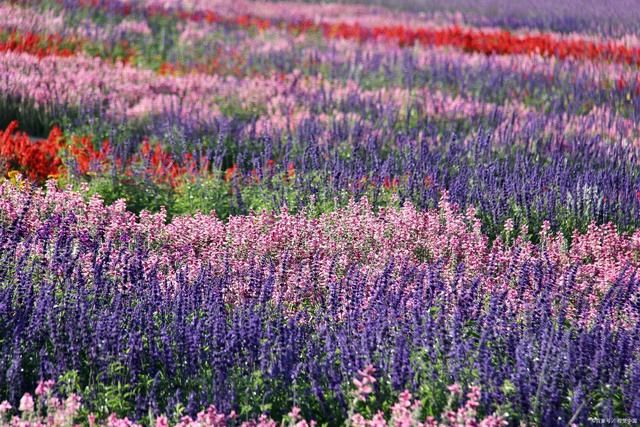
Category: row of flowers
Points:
column 41, row 159
column 277, row 102
column 317, row 246
column 36, row 25
column 48, row 410
column 609, row 82
column 469, row 39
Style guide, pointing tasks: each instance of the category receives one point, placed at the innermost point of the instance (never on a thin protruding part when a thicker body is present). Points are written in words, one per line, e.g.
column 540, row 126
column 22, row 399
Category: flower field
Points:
column 267, row 213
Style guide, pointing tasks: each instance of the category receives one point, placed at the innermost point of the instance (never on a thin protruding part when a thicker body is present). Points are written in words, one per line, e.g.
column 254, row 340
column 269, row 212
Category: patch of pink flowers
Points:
column 311, row 250
column 127, row 92
column 51, row 411
column 46, row 410
column 20, row 19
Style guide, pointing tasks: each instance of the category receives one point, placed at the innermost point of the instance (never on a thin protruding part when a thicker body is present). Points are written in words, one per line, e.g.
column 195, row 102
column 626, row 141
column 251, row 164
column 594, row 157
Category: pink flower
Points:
column 211, row 417
column 114, row 421
column 53, row 403
column 401, row 412
column 295, row 413
column 44, row 387
column 162, row 421
column 26, row 403
column 72, row 404
column 5, row 407
column 364, row 385
column 455, row 388
column 379, row 421
column 357, row 420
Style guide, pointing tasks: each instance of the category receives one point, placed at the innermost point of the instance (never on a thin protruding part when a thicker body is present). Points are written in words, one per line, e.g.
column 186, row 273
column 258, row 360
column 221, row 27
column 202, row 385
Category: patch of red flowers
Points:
column 87, row 158
column 36, row 158
column 42, row 45
column 160, row 165
column 488, row 42
column 39, row 159
column 39, row 45
column 152, row 160
column 390, row 183
column 155, row 162
column 291, row 171
column 230, row 173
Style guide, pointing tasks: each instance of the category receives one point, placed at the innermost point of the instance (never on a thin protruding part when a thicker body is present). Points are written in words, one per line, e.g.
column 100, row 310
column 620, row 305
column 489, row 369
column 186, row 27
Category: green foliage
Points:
column 202, row 195
column 138, row 193
column 35, row 121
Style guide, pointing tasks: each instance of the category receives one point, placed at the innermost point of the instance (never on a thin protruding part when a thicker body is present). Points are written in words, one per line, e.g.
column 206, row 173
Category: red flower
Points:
column 390, row 183
column 230, row 173
column 291, row 171
column 86, row 156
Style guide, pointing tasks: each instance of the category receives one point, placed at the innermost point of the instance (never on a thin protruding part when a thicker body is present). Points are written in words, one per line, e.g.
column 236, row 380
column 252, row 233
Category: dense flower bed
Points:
column 269, row 213
column 198, row 306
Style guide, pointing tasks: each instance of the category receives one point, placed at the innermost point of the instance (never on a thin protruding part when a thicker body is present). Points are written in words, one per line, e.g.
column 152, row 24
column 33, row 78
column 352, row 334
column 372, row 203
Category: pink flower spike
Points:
column 72, row 404
column 368, row 371
column 295, row 413
column 364, row 385
column 44, row 387
column 26, row 403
